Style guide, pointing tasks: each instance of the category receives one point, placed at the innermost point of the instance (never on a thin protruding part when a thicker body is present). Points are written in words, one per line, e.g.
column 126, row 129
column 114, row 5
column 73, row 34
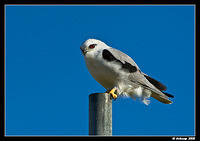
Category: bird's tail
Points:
column 162, row 98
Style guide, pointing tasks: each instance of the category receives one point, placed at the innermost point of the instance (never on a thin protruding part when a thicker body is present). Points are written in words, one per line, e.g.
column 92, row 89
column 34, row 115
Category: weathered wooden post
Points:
column 100, row 114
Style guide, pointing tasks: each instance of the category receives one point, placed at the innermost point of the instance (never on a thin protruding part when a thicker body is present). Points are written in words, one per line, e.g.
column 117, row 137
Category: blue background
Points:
column 48, row 84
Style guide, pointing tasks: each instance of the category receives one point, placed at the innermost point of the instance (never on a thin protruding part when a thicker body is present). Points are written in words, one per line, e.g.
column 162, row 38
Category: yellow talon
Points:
column 112, row 92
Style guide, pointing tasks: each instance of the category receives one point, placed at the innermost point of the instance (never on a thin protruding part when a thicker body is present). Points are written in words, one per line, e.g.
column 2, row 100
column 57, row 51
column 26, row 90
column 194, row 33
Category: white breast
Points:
column 104, row 72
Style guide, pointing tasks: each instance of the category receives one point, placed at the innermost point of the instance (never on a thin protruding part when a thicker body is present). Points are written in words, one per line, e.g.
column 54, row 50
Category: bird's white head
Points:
column 92, row 46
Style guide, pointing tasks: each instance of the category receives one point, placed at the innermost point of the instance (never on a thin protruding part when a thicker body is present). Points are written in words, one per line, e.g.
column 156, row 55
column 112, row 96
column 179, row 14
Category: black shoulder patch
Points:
column 129, row 67
column 156, row 83
column 107, row 55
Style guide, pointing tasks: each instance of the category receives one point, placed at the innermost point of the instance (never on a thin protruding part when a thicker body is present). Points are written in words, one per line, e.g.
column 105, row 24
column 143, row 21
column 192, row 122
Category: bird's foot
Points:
column 112, row 92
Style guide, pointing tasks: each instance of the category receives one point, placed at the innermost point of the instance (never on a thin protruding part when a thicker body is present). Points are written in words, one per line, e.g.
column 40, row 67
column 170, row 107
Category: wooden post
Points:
column 100, row 114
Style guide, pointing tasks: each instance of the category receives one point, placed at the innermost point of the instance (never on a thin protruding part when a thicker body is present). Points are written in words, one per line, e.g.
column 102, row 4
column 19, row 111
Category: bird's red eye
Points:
column 92, row 46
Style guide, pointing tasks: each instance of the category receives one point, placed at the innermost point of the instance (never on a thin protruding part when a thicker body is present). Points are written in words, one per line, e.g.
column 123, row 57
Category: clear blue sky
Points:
column 48, row 84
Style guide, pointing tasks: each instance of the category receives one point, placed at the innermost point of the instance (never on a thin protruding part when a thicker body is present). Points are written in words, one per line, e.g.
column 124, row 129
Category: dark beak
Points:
column 83, row 51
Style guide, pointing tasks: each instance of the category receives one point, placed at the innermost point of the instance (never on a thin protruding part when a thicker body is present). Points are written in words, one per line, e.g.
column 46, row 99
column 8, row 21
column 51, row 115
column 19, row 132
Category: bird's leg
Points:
column 112, row 92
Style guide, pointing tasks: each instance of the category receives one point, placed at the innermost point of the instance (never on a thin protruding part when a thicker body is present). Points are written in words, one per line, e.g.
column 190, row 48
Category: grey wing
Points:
column 140, row 78
column 122, row 57
column 156, row 83
column 138, row 75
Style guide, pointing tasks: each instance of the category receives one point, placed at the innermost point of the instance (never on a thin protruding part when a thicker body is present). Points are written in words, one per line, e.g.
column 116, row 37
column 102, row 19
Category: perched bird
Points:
column 119, row 74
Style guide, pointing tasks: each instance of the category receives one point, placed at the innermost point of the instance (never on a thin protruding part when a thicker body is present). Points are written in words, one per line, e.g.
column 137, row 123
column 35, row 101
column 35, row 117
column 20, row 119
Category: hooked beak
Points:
column 83, row 51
